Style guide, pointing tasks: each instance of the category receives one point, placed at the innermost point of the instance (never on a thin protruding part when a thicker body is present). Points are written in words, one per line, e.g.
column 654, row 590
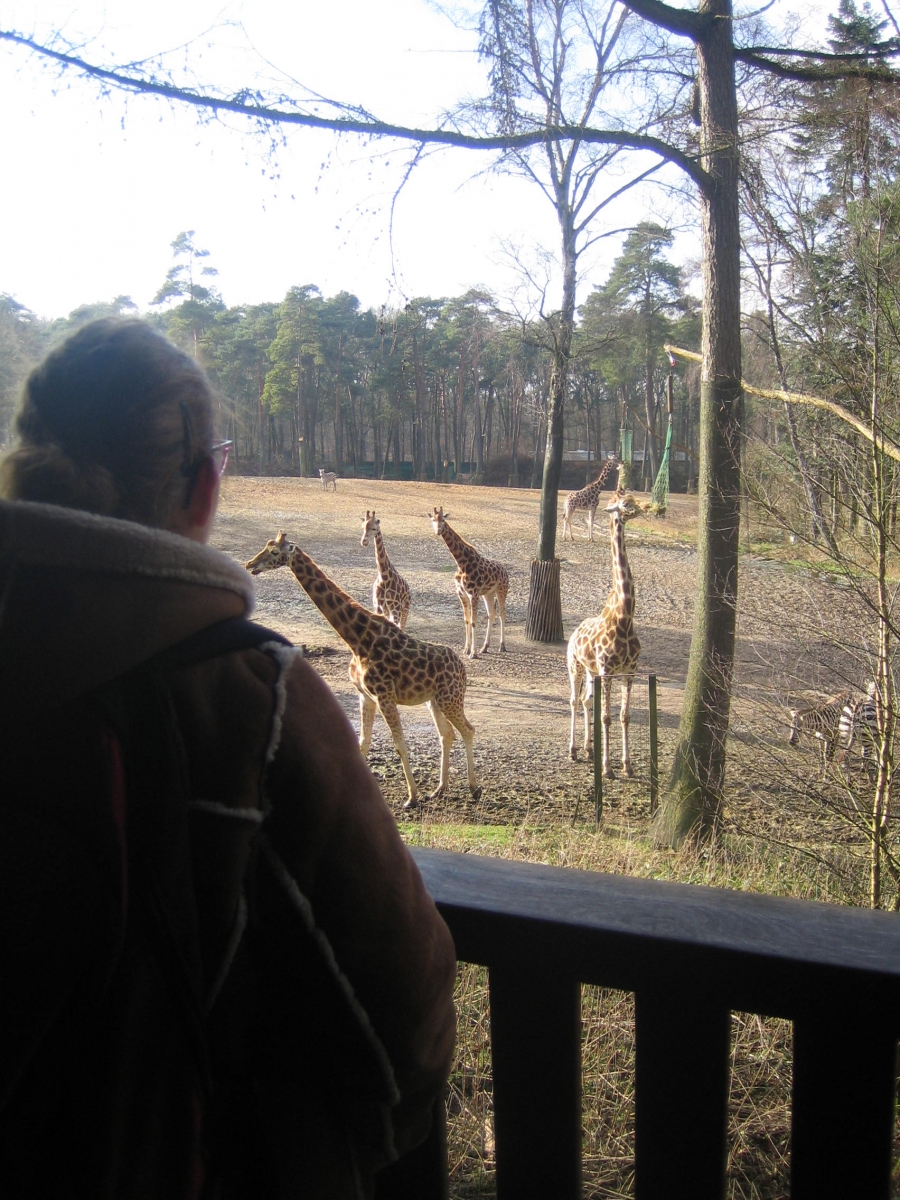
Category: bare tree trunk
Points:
column 537, row 453
column 544, row 600
column 692, row 803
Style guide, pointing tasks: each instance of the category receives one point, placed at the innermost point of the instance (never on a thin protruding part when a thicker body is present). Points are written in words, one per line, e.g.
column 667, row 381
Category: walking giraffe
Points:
column 391, row 596
column 387, row 666
column 476, row 578
column 588, row 498
column 607, row 645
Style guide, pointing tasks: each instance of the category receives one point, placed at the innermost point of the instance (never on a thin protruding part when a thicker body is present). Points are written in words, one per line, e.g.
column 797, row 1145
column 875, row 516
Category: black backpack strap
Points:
column 225, row 637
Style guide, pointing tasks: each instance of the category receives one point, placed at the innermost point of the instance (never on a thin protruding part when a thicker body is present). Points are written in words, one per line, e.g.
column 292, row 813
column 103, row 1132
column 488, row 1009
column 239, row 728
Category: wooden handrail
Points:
column 691, row 955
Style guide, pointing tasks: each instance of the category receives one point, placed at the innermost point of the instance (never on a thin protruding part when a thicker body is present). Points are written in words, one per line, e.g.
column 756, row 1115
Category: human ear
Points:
column 201, row 504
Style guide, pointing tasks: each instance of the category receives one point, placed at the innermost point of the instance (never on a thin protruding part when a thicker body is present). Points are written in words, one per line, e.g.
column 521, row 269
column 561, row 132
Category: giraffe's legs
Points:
column 445, row 732
column 489, row 605
column 467, row 732
column 388, row 710
column 624, row 718
column 590, row 520
column 366, row 719
column 566, row 525
column 466, row 602
column 405, row 604
column 587, row 708
column 473, row 619
column 606, row 684
column 501, row 610
column 576, row 680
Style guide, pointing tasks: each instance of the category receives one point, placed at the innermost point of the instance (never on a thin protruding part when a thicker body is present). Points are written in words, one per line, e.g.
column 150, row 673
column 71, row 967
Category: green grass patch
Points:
column 735, row 862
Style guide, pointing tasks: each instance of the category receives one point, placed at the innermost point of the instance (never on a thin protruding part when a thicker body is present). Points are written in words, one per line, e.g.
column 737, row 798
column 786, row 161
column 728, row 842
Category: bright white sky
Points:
column 96, row 191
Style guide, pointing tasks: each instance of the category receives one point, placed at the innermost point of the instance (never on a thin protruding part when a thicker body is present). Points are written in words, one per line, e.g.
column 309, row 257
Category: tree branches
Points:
column 368, row 126
column 837, row 410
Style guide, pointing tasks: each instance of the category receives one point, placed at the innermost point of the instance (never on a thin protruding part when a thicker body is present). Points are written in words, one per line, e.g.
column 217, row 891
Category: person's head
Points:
column 118, row 421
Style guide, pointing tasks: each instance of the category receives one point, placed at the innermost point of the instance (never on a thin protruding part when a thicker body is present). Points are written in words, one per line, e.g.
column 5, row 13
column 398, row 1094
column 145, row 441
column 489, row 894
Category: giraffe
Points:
column 387, row 666
column 607, row 645
column 391, row 596
column 588, row 498
column 477, row 578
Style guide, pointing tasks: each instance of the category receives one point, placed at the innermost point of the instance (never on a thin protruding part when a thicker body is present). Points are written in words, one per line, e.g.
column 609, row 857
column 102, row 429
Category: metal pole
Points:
column 598, row 750
column 654, row 746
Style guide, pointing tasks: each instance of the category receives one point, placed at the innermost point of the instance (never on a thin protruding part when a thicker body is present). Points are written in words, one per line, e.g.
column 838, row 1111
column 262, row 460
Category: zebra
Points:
column 822, row 721
column 328, row 477
column 859, row 724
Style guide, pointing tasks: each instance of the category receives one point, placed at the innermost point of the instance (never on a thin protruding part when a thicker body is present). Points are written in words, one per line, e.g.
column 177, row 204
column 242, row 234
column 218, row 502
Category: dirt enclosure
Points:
column 791, row 641
column 800, row 631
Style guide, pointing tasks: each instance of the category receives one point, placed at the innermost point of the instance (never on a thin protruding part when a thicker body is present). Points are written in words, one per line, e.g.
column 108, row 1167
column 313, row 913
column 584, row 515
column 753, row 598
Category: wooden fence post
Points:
column 598, row 750
column 654, row 745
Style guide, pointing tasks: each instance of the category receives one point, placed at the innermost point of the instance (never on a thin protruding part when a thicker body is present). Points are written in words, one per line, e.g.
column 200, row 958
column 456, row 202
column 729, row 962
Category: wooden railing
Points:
column 691, row 955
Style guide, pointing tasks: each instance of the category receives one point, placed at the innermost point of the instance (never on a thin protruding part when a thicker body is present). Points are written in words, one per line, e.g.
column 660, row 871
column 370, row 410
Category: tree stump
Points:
column 543, row 621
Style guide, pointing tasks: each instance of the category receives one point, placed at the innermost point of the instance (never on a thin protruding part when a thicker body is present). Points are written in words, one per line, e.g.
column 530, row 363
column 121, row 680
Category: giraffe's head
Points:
column 370, row 524
column 438, row 519
column 276, row 553
column 623, row 506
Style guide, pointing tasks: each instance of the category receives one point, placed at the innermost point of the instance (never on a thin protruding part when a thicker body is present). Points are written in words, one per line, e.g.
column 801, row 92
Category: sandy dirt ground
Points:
column 790, row 640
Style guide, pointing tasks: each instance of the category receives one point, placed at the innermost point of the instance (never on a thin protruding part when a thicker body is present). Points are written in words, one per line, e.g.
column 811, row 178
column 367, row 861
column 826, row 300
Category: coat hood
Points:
column 84, row 598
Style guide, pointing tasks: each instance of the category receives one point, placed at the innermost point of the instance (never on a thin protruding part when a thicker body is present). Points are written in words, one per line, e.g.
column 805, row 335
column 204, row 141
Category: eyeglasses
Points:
column 219, row 454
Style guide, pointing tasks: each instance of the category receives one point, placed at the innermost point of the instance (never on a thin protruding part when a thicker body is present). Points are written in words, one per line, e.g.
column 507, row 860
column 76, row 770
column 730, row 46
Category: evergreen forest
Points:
column 313, row 380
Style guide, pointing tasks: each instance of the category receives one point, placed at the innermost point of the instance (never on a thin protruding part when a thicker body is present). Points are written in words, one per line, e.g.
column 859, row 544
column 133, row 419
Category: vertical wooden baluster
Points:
column 842, row 1116
column 681, row 1095
column 536, row 1063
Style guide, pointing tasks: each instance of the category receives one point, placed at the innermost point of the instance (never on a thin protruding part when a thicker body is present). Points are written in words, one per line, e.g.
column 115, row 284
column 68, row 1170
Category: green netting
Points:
column 626, row 436
column 659, row 497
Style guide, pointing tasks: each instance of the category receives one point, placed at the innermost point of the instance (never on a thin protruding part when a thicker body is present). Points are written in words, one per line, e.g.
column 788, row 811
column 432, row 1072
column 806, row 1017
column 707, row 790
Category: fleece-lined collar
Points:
column 84, row 598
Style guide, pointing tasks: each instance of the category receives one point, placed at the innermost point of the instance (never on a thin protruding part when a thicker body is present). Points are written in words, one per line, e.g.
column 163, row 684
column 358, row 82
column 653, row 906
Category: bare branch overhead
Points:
column 369, row 126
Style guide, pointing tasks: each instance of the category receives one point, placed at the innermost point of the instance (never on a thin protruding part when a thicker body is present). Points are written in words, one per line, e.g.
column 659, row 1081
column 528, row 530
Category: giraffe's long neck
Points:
column 598, row 484
column 381, row 556
column 623, row 584
column 464, row 554
column 355, row 624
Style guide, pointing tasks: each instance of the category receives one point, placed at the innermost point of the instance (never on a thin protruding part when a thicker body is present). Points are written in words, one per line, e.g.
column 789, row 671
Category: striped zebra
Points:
column 328, row 477
column 859, row 725
column 821, row 721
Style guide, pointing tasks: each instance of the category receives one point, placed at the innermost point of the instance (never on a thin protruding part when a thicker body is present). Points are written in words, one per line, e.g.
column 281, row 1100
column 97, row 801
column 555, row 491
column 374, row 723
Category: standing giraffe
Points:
column 607, row 645
column 391, row 596
column 387, row 667
column 477, row 578
column 588, row 498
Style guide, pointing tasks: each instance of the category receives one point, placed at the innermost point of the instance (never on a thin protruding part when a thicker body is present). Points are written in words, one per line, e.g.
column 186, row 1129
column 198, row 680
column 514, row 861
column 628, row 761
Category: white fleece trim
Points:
column 214, row 808
column 304, row 908
column 34, row 534
column 285, row 657
column 237, row 933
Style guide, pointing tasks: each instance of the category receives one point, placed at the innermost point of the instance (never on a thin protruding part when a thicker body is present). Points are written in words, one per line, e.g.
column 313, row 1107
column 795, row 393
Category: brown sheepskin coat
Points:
column 323, row 973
